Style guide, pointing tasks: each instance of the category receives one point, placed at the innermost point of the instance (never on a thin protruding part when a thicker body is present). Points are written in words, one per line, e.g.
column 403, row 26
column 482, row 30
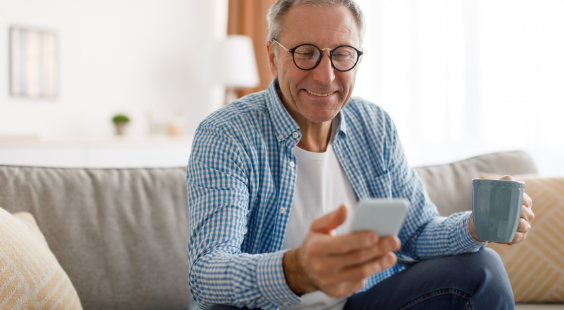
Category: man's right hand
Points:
column 337, row 265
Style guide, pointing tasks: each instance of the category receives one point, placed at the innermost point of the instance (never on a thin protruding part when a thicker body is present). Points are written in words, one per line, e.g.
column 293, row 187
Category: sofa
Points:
column 121, row 235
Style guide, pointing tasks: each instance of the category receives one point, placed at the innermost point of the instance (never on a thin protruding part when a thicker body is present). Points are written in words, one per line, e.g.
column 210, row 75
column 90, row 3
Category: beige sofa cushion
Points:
column 30, row 275
column 536, row 267
column 120, row 234
column 450, row 186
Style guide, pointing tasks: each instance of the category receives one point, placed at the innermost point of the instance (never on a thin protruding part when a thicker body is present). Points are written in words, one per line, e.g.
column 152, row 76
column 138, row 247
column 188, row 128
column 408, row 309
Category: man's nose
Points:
column 324, row 72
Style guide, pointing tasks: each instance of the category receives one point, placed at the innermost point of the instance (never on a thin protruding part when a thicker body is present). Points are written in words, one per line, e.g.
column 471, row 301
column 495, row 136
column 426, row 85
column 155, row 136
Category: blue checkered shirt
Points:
column 242, row 176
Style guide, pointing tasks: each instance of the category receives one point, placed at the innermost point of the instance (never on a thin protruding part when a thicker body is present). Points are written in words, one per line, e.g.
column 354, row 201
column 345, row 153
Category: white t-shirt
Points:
column 321, row 187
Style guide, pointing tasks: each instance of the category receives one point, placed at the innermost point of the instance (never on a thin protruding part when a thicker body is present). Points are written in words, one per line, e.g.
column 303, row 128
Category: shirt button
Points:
column 282, row 210
column 292, row 164
column 295, row 134
column 280, row 137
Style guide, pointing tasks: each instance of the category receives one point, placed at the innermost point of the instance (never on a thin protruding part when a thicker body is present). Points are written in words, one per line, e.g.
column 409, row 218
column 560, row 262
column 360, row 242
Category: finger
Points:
column 363, row 271
column 524, row 226
column 521, row 234
column 527, row 214
column 519, row 237
column 527, row 201
column 334, row 263
column 342, row 244
column 507, row 178
column 344, row 289
column 326, row 223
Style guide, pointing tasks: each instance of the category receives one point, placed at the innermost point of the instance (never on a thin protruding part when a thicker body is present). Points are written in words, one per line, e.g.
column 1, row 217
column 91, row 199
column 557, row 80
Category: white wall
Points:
column 126, row 56
column 464, row 78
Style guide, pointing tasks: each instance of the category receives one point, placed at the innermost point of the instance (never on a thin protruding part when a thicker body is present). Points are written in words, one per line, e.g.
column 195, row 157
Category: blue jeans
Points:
column 466, row 281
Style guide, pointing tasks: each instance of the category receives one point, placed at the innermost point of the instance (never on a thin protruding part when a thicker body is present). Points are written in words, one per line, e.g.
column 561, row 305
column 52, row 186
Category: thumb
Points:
column 328, row 222
column 507, row 178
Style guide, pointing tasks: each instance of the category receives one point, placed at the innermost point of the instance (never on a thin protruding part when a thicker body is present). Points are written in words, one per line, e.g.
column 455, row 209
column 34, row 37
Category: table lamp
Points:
column 238, row 65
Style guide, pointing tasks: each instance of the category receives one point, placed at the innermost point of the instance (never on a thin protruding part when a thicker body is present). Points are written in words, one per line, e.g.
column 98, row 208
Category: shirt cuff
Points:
column 465, row 240
column 272, row 282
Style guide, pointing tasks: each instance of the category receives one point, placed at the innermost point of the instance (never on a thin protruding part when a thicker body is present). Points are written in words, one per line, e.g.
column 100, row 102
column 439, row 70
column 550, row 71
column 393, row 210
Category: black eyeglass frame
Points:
column 293, row 49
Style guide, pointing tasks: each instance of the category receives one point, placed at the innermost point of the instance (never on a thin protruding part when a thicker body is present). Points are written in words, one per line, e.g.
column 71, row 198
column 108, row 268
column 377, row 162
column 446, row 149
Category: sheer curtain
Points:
column 462, row 78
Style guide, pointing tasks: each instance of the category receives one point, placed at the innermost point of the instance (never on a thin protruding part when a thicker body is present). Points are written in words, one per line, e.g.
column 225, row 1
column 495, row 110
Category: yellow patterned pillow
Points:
column 536, row 266
column 30, row 275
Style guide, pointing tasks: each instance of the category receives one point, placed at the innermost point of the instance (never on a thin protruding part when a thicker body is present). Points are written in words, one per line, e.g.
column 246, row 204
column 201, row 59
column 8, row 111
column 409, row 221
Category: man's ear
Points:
column 271, row 59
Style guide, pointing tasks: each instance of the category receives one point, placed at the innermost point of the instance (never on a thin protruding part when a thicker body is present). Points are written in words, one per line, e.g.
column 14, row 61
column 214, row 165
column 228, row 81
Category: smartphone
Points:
column 383, row 216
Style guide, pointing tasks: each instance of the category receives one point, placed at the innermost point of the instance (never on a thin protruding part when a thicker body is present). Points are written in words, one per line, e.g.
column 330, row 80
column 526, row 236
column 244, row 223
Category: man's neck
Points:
column 315, row 136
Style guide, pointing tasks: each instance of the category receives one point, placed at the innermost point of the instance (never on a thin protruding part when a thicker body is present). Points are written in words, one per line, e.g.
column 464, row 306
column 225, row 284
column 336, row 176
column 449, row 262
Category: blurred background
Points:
column 460, row 78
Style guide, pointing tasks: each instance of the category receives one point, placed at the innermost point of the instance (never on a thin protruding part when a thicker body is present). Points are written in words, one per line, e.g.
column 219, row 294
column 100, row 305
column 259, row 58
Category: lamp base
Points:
column 230, row 95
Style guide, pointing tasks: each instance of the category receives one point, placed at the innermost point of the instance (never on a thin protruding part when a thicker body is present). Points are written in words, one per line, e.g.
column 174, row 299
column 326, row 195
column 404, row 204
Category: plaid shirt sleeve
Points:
column 218, row 198
column 447, row 236
column 426, row 234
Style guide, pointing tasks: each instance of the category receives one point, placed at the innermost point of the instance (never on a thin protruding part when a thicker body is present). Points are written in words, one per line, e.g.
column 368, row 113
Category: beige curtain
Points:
column 248, row 17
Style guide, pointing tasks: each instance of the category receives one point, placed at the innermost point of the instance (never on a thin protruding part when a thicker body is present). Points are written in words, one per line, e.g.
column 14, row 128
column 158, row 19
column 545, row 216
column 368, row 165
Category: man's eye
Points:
column 305, row 54
column 343, row 54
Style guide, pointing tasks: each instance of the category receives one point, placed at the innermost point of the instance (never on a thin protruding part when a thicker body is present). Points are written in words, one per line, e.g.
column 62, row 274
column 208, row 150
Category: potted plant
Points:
column 120, row 121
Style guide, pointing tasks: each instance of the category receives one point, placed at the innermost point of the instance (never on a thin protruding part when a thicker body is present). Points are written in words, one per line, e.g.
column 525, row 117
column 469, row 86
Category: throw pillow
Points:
column 30, row 275
column 535, row 267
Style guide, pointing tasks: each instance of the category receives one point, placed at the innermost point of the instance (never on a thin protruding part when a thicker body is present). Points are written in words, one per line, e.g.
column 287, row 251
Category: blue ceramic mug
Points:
column 496, row 208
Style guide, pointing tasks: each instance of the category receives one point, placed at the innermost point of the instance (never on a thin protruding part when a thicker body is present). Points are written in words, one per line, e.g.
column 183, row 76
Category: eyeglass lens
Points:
column 307, row 57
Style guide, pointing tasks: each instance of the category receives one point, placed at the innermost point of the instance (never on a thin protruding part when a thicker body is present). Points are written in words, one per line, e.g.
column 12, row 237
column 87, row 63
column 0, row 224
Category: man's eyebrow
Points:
column 296, row 43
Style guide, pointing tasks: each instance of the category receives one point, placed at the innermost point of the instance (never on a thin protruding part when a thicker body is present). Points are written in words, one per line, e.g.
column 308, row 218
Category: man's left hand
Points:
column 524, row 227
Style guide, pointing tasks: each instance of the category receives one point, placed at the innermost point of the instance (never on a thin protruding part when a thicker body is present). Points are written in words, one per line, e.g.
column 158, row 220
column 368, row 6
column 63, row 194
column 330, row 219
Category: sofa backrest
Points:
column 120, row 234
column 450, row 186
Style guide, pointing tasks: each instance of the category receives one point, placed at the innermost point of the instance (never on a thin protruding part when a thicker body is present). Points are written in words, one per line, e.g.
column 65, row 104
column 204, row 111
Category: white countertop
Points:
column 104, row 152
column 93, row 141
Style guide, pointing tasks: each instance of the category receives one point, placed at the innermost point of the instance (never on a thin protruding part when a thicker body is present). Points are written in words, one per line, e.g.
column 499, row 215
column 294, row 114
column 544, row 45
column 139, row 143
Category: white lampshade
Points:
column 238, row 65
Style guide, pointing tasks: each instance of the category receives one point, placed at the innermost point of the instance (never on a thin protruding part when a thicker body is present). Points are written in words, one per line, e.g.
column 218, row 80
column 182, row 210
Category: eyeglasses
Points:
column 308, row 56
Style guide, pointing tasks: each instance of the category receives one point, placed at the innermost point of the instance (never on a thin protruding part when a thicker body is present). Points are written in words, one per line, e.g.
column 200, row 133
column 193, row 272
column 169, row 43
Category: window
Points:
column 463, row 78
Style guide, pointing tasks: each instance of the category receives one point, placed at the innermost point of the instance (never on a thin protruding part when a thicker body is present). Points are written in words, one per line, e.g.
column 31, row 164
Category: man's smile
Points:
column 319, row 94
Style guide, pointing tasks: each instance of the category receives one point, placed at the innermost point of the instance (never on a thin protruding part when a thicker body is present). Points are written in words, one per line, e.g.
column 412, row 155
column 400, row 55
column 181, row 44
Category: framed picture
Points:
column 33, row 63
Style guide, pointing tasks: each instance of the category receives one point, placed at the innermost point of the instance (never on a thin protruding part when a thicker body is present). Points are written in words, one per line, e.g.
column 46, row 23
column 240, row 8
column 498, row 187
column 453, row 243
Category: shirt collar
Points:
column 343, row 123
column 284, row 123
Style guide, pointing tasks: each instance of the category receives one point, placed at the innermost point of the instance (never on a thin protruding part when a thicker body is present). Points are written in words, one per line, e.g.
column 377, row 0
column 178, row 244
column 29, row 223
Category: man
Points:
column 268, row 176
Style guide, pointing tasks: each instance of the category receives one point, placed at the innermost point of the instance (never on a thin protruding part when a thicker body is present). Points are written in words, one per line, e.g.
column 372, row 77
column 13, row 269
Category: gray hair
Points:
column 278, row 11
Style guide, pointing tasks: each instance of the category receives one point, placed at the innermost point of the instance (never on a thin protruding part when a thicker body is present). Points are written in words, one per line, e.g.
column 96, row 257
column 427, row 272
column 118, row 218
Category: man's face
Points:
column 315, row 95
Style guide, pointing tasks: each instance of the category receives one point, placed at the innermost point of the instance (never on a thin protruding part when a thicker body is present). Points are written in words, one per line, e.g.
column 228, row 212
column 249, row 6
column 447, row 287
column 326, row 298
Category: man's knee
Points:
column 482, row 265
column 493, row 268
column 485, row 263
column 488, row 278
column 484, row 258
column 481, row 275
